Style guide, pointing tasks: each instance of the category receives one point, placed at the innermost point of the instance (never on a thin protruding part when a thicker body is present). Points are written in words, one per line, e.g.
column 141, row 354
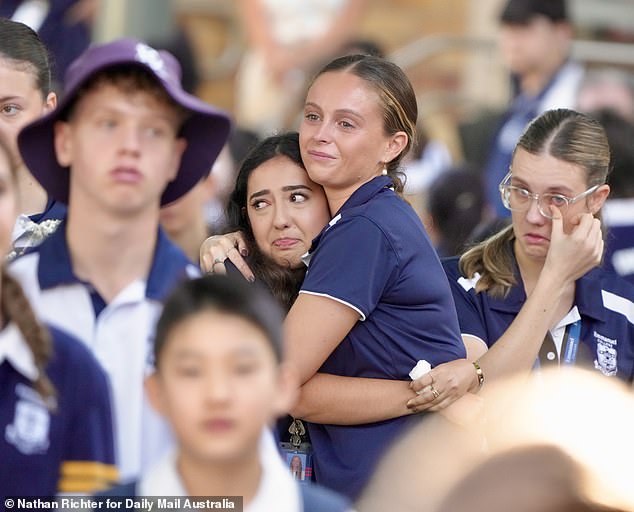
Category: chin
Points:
column 286, row 260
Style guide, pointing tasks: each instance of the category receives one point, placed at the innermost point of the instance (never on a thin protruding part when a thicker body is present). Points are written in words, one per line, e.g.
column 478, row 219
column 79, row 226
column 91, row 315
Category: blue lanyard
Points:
column 574, row 333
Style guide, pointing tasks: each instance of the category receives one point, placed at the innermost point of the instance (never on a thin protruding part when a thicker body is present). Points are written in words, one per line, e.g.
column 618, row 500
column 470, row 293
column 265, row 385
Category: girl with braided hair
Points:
column 55, row 420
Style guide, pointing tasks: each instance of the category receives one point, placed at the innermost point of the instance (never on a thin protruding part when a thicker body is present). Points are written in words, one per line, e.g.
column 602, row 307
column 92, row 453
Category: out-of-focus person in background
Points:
column 184, row 220
column 224, row 174
column 535, row 41
column 65, row 26
column 618, row 211
column 454, row 207
column 534, row 447
column 607, row 89
column 286, row 40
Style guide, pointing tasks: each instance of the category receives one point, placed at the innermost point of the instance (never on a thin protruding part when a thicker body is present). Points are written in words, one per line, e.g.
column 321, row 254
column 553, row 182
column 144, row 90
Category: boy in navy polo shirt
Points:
column 125, row 140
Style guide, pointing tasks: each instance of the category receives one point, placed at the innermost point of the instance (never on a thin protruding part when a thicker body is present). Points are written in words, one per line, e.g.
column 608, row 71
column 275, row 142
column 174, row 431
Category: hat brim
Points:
column 206, row 132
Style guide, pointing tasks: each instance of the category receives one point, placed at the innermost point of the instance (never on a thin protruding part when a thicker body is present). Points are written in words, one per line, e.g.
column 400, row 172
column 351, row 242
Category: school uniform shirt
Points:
column 618, row 217
column 603, row 305
column 64, row 445
column 120, row 334
column 375, row 257
column 276, row 491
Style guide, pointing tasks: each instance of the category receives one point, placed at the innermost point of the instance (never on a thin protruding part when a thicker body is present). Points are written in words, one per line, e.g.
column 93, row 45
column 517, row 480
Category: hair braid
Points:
column 16, row 308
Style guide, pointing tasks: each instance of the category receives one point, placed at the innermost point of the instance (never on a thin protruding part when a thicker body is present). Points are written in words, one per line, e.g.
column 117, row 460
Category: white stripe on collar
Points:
column 13, row 348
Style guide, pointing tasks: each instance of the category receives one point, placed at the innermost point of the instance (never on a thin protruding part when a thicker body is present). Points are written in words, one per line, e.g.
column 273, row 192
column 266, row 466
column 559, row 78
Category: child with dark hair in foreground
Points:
column 220, row 380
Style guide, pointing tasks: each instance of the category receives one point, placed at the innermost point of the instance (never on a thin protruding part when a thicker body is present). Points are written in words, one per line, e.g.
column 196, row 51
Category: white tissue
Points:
column 421, row 368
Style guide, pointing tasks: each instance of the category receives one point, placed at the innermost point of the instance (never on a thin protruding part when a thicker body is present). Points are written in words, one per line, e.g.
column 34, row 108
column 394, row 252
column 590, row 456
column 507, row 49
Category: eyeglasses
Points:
column 518, row 199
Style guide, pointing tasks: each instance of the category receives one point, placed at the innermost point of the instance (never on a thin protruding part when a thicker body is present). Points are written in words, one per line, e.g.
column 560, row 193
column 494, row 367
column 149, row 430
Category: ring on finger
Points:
column 434, row 391
column 216, row 261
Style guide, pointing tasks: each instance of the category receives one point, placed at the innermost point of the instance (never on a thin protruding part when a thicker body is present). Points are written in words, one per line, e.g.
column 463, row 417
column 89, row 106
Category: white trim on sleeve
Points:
column 361, row 315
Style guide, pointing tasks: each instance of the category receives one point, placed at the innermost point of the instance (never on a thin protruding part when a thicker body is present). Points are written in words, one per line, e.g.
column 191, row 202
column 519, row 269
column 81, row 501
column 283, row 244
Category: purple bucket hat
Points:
column 205, row 130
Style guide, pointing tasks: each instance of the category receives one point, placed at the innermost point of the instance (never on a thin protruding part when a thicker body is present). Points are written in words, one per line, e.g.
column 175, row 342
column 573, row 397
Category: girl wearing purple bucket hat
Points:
column 124, row 140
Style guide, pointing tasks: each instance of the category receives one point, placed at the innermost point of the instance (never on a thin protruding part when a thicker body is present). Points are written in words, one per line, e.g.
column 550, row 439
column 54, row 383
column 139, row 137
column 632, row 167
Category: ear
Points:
column 154, row 392
column 63, row 143
column 596, row 200
column 51, row 102
column 395, row 146
column 287, row 389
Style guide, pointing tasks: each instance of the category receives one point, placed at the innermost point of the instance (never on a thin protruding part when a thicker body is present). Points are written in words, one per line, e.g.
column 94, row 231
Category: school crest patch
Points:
column 29, row 432
column 605, row 361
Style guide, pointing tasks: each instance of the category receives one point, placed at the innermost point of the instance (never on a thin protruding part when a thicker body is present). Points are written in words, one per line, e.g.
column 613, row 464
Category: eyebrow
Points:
column 559, row 189
column 121, row 111
column 338, row 111
column 288, row 188
column 10, row 98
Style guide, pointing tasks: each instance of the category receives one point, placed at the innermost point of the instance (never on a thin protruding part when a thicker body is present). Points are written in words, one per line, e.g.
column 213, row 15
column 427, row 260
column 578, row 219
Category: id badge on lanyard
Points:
column 572, row 344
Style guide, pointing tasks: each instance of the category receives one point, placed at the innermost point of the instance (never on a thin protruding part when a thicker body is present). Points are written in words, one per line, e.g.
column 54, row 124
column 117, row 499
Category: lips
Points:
column 535, row 238
column 219, row 425
column 318, row 155
column 285, row 243
column 127, row 175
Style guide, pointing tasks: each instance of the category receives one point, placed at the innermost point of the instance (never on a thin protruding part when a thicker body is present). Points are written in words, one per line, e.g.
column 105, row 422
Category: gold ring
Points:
column 434, row 391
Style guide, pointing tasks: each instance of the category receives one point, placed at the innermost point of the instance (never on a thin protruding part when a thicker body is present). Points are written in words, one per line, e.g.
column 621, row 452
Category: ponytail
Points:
column 16, row 308
column 493, row 260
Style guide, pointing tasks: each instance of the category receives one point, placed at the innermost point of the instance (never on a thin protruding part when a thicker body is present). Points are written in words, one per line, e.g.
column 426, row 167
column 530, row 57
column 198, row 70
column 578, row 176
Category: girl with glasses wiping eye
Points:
column 534, row 294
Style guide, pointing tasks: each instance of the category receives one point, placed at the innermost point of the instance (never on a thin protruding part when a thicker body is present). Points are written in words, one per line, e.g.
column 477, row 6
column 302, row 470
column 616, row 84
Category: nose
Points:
column 534, row 214
column 281, row 216
column 322, row 132
column 217, row 386
column 130, row 139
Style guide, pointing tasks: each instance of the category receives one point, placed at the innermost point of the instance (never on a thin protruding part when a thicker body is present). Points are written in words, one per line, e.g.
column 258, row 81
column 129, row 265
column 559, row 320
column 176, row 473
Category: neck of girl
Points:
column 239, row 477
column 530, row 271
column 108, row 251
column 32, row 197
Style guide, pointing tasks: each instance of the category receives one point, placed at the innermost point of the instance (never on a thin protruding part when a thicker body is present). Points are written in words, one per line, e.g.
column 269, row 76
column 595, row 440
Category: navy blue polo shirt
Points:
column 69, row 449
column 618, row 217
column 375, row 257
column 604, row 302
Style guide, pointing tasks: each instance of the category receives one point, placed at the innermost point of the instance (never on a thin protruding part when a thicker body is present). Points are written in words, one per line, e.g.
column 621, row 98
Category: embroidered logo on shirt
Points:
column 29, row 432
column 606, row 355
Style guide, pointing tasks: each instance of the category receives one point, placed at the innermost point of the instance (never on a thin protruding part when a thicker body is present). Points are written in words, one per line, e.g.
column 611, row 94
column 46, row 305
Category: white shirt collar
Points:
column 162, row 479
column 277, row 490
column 13, row 348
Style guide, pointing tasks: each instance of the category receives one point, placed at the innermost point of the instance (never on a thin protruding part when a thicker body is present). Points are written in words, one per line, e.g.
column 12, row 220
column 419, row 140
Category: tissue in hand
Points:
column 421, row 368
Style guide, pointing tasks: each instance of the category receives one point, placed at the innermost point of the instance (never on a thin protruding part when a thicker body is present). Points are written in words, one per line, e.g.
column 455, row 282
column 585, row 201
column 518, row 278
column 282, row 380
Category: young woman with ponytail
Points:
column 55, row 420
column 534, row 294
